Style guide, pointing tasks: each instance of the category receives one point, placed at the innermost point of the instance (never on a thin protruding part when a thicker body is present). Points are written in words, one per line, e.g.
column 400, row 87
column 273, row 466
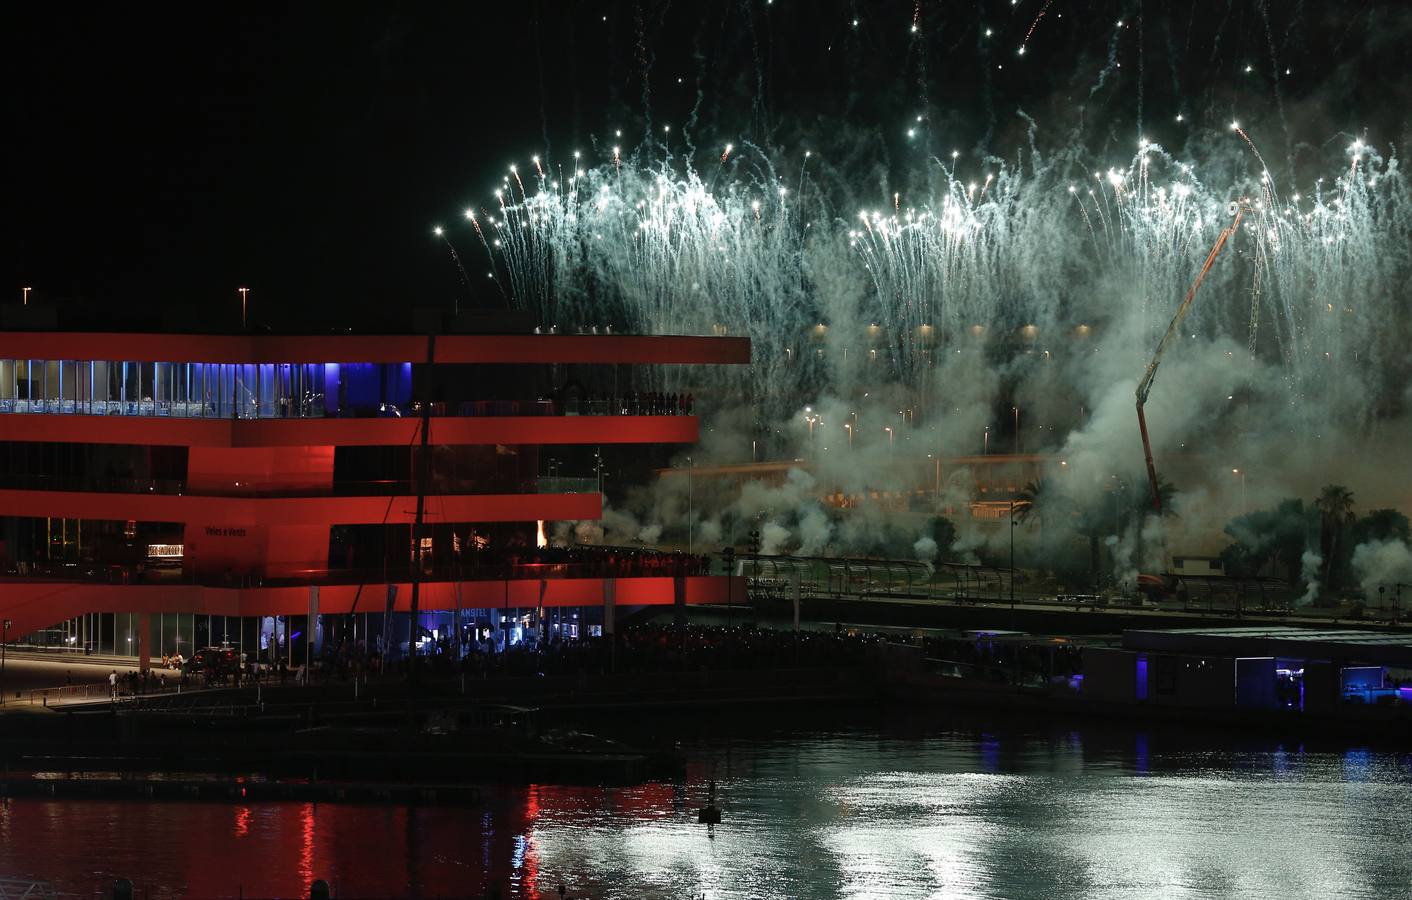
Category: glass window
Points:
column 266, row 384
column 7, row 385
column 146, row 389
column 83, row 386
column 162, row 388
column 68, row 385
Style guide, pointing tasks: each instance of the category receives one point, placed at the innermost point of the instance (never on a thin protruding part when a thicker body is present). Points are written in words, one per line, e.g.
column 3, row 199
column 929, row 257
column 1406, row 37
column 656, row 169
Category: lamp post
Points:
column 985, row 445
column 849, row 427
column 26, row 295
column 1117, row 486
column 244, row 297
column 889, row 439
column 728, row 558
column 1012, row 554
column 4, row 639
column 1016, row 411
column 1241, row 473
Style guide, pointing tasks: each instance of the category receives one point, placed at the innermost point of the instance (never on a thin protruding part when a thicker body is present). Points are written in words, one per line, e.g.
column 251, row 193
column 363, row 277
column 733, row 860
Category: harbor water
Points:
column 930, row 807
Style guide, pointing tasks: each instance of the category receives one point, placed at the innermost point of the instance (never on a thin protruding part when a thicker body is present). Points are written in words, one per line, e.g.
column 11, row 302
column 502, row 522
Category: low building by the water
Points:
column 1260, row 667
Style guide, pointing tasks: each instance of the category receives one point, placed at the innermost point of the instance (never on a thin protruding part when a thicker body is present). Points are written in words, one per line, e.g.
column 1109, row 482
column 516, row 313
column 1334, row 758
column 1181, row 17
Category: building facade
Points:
column 163, row 492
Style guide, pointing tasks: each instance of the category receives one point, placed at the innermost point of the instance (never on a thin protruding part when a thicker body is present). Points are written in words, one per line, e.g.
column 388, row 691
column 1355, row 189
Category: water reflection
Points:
column 969, row 814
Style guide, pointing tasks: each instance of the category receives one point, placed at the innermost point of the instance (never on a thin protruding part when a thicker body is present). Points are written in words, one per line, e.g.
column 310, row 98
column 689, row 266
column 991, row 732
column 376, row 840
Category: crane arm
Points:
column 1144, row 387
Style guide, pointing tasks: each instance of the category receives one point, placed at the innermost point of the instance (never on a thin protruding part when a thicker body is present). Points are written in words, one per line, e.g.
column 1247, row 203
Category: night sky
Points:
column 158, row 159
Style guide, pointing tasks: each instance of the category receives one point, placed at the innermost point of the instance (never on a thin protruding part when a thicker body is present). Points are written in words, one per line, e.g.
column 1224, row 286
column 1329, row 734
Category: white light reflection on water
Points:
column 869, row 819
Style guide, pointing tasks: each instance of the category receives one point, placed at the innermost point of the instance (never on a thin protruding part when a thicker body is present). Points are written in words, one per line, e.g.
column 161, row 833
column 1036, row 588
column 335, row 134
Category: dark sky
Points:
column 159, row 157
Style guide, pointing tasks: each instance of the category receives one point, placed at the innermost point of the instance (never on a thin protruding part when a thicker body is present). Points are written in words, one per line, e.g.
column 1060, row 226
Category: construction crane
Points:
column 1144, row 387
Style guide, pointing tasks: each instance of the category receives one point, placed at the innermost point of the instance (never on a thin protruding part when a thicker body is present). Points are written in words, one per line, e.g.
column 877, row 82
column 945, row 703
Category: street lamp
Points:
column 1241, row 473
column 1016, row 411
column 26, row 292
column 4, row 639
column 985, row 446
column 244, row 296
column 889, row 438
column 849, row 426
column 1012, row 554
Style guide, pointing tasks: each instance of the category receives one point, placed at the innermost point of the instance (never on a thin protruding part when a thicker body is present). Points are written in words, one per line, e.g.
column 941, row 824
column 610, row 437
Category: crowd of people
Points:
column 655, row 648
column 642, row 649
column 581, row 561
column 632, row 403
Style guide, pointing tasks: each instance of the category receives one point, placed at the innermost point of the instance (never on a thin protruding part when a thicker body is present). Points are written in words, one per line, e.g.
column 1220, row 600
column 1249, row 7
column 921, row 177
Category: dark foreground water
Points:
column 934, row 807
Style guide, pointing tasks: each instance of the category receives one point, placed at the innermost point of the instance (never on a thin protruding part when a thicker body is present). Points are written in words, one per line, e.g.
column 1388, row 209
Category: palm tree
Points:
column 1335, row 506
column 1034, row 498
column 1094, row 519
column 1142, row 507
column 1142, row 504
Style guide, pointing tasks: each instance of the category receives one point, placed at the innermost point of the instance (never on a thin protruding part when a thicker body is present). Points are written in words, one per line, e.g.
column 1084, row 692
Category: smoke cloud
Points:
column 1382, row 564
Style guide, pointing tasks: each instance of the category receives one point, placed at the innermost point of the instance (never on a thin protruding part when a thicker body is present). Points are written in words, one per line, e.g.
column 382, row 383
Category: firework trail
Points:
column 1014, row 259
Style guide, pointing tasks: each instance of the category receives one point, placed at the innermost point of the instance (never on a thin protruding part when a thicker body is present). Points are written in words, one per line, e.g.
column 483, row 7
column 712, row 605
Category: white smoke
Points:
column 773, row 538
column 814, row 531
column 925, row 550
column 1309, row 565
column 1122, row 547
column 709, row 531
column 1382, row 564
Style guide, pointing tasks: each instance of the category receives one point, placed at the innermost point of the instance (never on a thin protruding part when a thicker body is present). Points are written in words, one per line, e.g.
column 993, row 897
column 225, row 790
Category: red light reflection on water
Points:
column 277, row 849
column 306, row 846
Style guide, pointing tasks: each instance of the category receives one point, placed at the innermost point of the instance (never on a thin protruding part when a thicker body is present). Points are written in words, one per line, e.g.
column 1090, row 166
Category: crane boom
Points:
column 1144, row 387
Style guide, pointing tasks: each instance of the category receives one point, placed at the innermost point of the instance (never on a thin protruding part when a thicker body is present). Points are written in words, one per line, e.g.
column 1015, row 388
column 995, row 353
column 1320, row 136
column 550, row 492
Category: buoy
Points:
column 710, row 814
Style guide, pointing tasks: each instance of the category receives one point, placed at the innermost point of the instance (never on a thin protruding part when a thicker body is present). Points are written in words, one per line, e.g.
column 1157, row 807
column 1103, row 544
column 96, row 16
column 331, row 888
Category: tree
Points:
column 1142, row 501
column 1093, row 520
column 1335, row 506
column 944, row 533
column 1380, row 525
column 1377, row 525
column 1277, row 537
column 1034, row 501
column 1142, row 506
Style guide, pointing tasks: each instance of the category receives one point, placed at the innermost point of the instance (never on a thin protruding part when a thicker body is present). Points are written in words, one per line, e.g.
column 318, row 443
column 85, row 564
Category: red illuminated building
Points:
column 164, row 492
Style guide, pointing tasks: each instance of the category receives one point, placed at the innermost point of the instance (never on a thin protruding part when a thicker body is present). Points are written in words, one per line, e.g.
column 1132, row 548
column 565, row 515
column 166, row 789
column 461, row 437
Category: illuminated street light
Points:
column 1241, row 473
column 244, row 297
column 26, row 292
